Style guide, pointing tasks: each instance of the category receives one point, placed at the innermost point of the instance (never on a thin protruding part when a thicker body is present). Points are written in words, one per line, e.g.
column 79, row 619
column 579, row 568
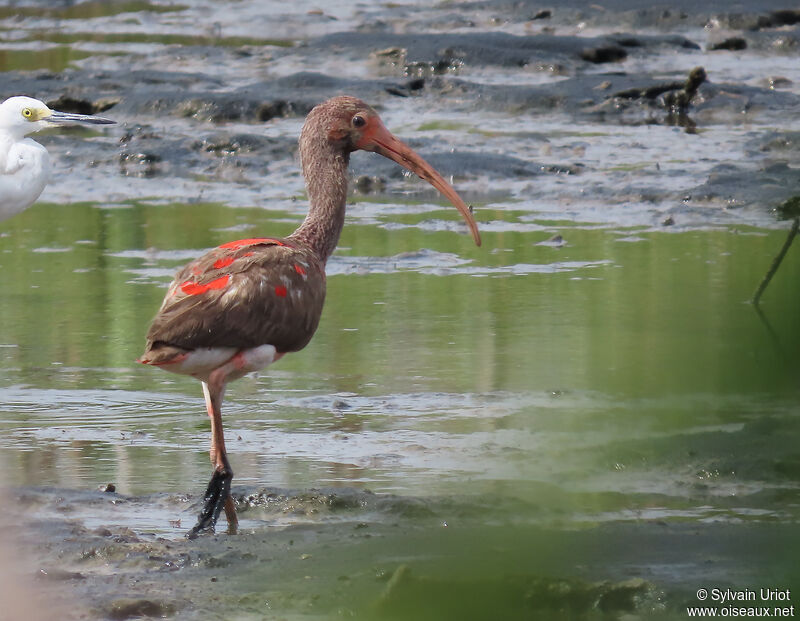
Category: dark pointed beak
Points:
column 63, row 118
column 380, row 140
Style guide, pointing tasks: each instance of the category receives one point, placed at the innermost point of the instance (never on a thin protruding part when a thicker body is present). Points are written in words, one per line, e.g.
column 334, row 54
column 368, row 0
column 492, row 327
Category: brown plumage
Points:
column 245, row 304
column 265, row 291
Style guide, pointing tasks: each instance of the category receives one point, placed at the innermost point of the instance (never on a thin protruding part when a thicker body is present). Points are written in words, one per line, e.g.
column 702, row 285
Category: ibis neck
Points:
column 325, row 171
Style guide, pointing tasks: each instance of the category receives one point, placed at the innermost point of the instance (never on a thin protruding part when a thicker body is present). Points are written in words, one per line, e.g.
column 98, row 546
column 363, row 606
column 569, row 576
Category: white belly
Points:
column 201, row 362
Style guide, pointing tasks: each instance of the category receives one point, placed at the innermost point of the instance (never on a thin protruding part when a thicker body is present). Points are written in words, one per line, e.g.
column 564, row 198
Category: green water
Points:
column 54, row 59
column 88, row 10
column 666, row 315
column 610, row 409
column 155, row 38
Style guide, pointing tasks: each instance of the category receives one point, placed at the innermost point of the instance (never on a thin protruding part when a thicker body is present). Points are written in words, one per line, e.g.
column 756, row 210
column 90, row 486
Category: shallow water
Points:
column 583, row 418
column 621, row 378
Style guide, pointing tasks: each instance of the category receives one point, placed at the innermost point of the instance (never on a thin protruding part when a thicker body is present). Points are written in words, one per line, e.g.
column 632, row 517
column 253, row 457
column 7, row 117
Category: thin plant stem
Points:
column 776, row 262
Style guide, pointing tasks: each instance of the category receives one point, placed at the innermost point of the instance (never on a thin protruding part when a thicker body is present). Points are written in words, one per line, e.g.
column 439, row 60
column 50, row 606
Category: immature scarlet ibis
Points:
column 247, row 303
column 25, row 164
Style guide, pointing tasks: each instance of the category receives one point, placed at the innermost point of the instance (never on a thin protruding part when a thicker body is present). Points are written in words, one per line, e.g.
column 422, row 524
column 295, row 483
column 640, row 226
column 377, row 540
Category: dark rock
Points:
column 732, row 43
column 736, row 186
column 273, row 109
column 131, row 608
column 604, row 54
column 654, row 41
column 65, row 103
column 440, row 53
column 783, row 17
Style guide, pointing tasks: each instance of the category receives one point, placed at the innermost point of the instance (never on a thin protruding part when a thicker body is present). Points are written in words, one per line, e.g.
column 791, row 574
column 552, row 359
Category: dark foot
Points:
column 218, row 492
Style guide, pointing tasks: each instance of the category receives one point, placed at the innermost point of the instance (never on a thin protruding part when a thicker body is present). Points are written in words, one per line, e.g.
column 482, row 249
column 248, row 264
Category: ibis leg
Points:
column 217, row 494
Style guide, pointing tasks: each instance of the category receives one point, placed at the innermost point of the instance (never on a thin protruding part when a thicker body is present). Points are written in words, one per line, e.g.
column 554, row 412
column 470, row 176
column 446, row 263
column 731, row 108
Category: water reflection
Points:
column 619, row 381
column 626, row 367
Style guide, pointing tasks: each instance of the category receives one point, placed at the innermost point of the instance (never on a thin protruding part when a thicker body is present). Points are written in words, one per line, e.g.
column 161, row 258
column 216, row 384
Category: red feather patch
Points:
column 280, row 291
column 241, row 243
column 223, row 262
column 194, row 288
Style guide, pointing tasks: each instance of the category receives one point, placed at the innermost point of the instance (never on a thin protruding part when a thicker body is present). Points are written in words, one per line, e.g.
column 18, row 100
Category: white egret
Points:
column 25, row 164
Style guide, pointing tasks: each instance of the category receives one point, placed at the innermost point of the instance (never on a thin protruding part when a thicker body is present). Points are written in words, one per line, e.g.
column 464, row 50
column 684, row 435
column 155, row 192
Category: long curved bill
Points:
column 380, row 140
column 62, row 118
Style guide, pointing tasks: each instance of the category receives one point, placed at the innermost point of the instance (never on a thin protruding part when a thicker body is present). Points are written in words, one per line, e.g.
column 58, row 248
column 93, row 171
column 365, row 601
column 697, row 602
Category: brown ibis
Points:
column 247, row 303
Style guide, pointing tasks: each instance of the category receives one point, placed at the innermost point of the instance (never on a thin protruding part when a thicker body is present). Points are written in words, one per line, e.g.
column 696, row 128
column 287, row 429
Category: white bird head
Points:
column 20, row 116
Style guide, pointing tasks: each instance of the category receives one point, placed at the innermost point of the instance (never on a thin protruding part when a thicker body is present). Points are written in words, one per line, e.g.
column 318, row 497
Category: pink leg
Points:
column 218, row 492
column 214, row 424
column 218, row 453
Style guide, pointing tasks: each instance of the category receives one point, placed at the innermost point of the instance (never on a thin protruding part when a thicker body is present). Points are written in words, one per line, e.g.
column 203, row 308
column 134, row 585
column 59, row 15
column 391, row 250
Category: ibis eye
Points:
column 27, row 113
column 359, row 121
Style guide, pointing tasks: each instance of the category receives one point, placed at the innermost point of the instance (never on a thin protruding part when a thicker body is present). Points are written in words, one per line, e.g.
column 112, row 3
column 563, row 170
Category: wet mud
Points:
column 386, row 553
column 580, row 112
column 495, row 72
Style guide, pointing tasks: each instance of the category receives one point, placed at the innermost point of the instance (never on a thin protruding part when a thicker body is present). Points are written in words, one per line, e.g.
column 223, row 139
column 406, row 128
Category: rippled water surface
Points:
column 584, row 418
column 618, row 379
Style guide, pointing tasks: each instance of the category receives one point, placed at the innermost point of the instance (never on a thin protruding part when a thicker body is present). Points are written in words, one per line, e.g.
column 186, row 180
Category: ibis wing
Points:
column 243, row 297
